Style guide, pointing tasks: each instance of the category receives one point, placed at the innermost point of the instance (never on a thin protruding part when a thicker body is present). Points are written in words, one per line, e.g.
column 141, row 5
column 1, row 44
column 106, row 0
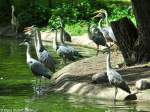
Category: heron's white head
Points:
column 13, row 8
column 102, row 14
column 25, row 42
column 30, row 31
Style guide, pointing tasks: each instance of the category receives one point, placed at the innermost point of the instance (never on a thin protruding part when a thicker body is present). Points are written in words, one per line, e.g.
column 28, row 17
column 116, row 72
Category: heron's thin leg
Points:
column 45, row 81
column 97, row 50
column 116, row 91
column 40, row 87
column 64, row 60
column 35, row 85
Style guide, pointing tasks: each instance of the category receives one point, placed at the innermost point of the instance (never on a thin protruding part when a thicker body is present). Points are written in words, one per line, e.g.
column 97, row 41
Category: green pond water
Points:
column 17, row 87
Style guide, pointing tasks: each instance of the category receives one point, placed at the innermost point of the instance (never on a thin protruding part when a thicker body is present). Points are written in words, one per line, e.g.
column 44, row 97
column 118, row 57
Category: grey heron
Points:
column 66, row 35
column 75, row 53
column 35, row 66
column 42, row 54
column 14, row 20
column 62, row 50
column 107, row 31
column 115, row 78
column 96, row 36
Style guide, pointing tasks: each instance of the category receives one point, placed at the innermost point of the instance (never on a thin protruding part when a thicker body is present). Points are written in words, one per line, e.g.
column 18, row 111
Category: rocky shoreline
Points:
column 74, row 81
column 76, row 78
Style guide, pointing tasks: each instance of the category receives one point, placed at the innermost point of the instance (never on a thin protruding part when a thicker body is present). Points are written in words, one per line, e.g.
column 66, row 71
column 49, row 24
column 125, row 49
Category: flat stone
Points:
column 143, row 84
column 100, row 78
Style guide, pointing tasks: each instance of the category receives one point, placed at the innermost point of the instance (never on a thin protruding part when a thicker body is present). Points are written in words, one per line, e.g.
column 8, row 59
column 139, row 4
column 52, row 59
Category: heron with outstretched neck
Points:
column 42, row 54
column 14, row 20
column 35, row 66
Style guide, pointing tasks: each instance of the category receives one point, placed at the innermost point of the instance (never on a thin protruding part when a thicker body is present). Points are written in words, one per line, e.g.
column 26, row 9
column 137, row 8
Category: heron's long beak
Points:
column 98, row 15
column 96, row 12
column 22, row 43
column 26, row 29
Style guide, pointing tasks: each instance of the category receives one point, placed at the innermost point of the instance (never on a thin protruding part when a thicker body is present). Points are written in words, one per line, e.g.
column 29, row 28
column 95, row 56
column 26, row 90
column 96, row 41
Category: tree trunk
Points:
column 142, row 13
column 126, row 35
column 134, row 45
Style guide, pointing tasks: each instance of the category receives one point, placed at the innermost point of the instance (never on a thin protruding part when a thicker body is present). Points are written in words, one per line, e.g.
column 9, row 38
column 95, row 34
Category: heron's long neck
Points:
column 108, row 62
column 12, row 13
column 35, row 40
column 13, row 19
column 55, row 44
column 100, row 24
column 61, row 32
column 28, row 52
column 39, row 41
column 61, row 35
column 107, row 22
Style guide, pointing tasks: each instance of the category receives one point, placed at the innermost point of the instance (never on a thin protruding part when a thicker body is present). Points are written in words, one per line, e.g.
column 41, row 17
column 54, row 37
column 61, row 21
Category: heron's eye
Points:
column 30, row 61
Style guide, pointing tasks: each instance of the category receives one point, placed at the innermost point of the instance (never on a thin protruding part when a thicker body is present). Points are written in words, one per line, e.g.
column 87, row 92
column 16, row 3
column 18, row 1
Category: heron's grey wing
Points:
column 47, row 60
column 99, row 39
column 111, row 34
column 118, row 81
column 114, row 77
column 67, row 36
column 105, row 32
column 124, row 86
column 63, row 51
column 38, row 69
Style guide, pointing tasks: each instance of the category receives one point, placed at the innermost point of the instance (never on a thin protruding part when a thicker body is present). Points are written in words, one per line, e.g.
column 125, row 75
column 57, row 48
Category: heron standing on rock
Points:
column 115, row 78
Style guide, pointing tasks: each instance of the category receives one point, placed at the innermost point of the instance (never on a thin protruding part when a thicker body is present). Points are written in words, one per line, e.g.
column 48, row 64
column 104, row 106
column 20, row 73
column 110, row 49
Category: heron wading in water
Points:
column 34, row 65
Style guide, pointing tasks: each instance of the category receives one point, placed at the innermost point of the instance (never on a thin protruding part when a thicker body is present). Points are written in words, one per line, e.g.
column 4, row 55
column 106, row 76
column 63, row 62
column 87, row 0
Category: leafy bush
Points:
column 76, row 29
column 71, row 14
column 40, row 14
column 119, row 12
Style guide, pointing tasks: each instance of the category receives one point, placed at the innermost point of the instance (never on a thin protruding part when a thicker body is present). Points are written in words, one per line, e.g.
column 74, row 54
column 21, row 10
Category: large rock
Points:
column 100, row 78
column 143, row 84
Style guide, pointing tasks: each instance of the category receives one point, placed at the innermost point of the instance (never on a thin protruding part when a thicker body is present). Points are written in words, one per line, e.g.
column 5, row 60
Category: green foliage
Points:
column 74, row 13
column 119, row 12
column 76, row 29
column 25, row 18
column 71, row 14
column 37, row 15
column 40, row 13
